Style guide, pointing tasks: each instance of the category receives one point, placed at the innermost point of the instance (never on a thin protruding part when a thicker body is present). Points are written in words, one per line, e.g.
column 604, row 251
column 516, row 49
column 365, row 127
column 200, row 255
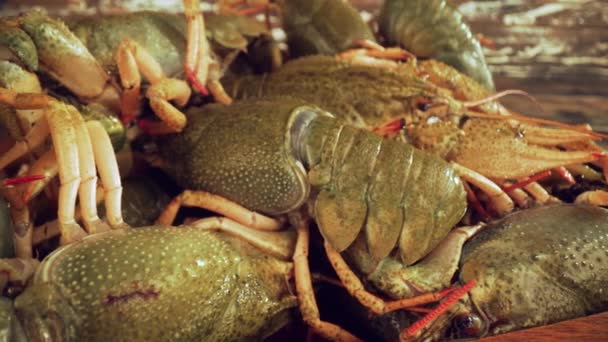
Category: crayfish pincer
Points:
column 157, row 283
column 533, row 267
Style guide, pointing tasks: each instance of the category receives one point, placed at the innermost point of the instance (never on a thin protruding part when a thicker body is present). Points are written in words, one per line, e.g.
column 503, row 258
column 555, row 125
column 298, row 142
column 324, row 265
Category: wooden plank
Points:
column 591, row 328
column 561, row 47
column 573, row 109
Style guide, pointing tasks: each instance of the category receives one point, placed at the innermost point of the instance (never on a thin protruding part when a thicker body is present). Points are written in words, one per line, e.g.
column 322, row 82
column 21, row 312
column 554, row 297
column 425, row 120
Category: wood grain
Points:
column 591, row 328
column 560, row 42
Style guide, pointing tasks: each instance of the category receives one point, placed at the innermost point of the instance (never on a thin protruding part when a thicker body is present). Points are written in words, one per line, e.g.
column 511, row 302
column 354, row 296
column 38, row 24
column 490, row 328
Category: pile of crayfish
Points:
column 378, row 164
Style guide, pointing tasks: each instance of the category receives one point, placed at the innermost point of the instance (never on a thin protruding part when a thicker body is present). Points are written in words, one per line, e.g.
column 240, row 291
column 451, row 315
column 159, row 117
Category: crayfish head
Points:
column 437, row 137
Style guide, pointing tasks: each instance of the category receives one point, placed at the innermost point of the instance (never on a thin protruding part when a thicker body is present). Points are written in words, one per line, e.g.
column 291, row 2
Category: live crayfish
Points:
column 445, row 111
column 533, row 267
column 81, row 54
column 362, row 190
column 101, row 288
column 435, row 29
column 428, row 29
column 437, row 119
column 78, row 57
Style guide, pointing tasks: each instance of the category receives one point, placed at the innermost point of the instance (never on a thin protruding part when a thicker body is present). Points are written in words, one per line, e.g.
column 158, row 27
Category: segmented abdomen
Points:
column 380, row 190
column 434, row 28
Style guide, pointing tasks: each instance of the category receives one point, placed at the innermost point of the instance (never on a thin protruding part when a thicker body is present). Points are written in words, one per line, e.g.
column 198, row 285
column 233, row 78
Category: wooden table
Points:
column 591, row 328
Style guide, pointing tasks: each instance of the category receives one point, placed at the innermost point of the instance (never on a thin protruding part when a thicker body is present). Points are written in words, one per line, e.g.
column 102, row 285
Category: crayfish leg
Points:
column 22, row 223
column 133, row 59
column 414, row 284
column 76, row 157
column 25, row 98
column 88, row 175
column 17, row 270
column 220, row 205
column 107, row 167
column 501, row 202
column 277, row 243
column 58, row 118
column 596, row 197
column 306, row 296
column 197, row 49
column 373, row 54
column 200, row 64
column 65, row 142
column 45, row 165
column 160, row 93
column 355, row 287
column 34, row 138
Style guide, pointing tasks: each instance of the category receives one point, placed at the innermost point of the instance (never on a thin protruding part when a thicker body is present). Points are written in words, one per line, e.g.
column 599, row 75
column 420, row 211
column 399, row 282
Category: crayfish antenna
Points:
column 501, row 94
column 425, row 321
column 527, row 181
column 10, row 182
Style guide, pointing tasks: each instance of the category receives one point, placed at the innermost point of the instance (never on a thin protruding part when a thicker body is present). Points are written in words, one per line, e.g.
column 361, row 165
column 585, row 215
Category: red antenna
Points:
column 10, row 182
column 441, row 308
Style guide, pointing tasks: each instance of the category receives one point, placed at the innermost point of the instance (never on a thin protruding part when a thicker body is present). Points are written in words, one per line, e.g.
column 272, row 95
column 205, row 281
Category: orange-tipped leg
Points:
column 197, row 49
column 219, row 205
column 306, row 296
column 201, row 65
column 372, row 53
column 132, row 59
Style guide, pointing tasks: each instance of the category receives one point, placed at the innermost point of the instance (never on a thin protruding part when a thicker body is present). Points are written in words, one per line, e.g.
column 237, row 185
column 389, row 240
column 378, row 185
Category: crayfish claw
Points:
column 548, row 136
column 507, row 154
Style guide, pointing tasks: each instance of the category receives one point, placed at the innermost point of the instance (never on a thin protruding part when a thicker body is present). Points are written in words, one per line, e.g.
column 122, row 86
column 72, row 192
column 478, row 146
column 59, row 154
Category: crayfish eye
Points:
column 467, row 325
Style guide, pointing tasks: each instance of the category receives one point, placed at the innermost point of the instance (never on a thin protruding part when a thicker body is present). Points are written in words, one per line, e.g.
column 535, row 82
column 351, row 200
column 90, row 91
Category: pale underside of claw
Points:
column 501, row 202
column 549, row 136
